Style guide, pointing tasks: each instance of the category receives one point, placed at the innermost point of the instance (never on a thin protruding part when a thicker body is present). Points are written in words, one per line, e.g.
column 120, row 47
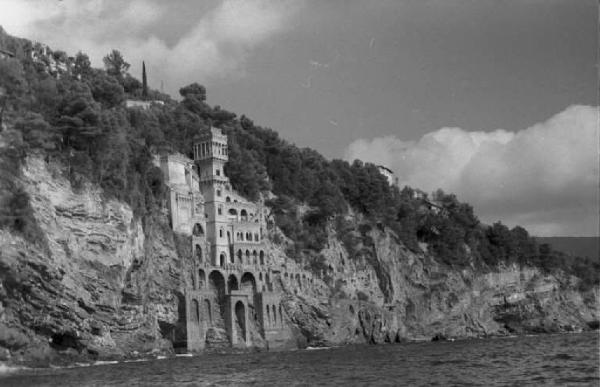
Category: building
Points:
column 229, row 297
column 389, row 175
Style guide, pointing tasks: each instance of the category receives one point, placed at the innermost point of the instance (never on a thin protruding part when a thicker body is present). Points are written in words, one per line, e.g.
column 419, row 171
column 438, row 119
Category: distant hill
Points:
column 579, row 246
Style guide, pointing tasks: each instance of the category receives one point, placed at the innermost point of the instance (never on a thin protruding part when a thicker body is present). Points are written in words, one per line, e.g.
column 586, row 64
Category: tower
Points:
column 210, row 155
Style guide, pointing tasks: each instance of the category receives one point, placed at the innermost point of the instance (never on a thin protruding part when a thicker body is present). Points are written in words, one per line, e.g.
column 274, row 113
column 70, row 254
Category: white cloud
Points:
column 544, row 177
column 216, row 46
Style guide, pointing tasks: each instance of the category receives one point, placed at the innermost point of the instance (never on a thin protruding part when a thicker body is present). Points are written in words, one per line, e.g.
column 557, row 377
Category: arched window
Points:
column 199, row 253
column 197, row 230
column 254, row 257
column 218, row 172
column 219, row 192
column 274, row 313
column 220, row 210
column 239, row 255
column 268, row 315
column 222, row 259
column 248, row 257
column 244, row 215
column 262, row 257
column 228, row 199
column 255, row 237
column 221, row 233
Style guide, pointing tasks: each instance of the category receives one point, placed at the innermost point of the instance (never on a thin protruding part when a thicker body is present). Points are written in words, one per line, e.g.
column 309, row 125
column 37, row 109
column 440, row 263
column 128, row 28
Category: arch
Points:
column 195, row 311
column 249, row 236
column 248, row 283
column 255, row 237
column 220, row 233
column 198, row 231
column 262, row 257
column 247, row 257
column 228, row 199
column 232, row 283
column 240, row 316
column 199, row 253
column 207, row 310
column 216, row 283
column 222, row 259
column 232, row 213
column 201, row 279
column 239, row 256
column 244, row 215
column 254, row 257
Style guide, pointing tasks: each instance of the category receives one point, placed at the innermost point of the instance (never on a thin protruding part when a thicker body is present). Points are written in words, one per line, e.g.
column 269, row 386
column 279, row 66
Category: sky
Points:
column 494, row 100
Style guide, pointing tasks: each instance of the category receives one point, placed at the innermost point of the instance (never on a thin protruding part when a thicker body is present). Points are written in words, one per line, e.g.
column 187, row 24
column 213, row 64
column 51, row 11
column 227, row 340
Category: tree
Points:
column 115, row 64
column 82, row 66
column 106, row 89
column 144, row 81
column 78, row 115
column 37, row 132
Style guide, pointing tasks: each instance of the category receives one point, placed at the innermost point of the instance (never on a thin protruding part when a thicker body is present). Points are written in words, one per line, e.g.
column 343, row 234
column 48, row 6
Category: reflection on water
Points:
column 535, row 360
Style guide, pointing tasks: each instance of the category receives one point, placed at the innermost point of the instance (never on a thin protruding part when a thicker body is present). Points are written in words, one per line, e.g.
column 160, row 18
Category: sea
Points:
column 541, row 360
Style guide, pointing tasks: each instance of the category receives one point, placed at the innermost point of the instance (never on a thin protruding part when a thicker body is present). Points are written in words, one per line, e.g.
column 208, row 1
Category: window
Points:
column 220, row 210
column 218, row 172
column 221, row 233
column 219, row 192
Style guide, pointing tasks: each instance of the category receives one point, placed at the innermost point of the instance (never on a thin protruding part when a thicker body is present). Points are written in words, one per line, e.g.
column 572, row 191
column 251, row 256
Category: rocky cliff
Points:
column 103, row 284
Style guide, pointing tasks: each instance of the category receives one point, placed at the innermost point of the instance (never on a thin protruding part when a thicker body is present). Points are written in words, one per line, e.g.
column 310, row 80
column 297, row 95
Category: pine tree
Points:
column 144, row 81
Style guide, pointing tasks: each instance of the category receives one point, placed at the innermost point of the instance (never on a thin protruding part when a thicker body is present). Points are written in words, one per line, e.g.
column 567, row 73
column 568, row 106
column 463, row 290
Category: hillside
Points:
column 90, row 266
column 575, row 246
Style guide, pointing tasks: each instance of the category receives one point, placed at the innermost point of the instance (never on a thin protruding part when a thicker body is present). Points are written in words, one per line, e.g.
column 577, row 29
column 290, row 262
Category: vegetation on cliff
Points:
column 71, row 112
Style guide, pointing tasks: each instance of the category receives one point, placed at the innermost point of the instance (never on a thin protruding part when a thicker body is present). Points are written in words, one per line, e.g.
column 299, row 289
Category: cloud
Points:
column 216, row 45
column 544, row 177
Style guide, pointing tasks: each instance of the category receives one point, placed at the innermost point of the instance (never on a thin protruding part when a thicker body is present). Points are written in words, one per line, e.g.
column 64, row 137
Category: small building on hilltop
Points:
column 389, row 175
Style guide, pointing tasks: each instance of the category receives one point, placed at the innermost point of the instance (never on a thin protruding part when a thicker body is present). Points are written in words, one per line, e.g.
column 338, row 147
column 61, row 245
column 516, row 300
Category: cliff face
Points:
column 109, row 286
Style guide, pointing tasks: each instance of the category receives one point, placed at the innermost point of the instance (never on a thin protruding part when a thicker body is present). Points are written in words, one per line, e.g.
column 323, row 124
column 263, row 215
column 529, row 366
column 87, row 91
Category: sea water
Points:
column 567, row 359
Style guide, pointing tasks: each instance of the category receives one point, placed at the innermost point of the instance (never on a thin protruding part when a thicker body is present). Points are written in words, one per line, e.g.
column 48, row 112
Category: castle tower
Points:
column 210, row 155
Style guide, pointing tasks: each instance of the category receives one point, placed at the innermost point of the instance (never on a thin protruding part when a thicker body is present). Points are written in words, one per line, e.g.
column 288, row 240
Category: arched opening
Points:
column 228, row 199
column 232, row 283
column 248, row 283
column 195, row 310
column 262, row 257
column 268, row 315
column 198, row 230
column 222, row 259
column 216, row 283
column 201, row 279
column 240, row 316
column 221, row 233
column 239, row 256
column 280, row 315
column 255, row 237
column 274, row 314
column 248, row 257
column 232, row 259
column 254, row 257
column 199, row 253
column 232, row 214
column 207, row 312
column 249, row 237
column 244, row 215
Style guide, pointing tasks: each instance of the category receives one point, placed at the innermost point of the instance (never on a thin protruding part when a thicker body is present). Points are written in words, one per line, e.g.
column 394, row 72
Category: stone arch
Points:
column 198, row 231
column 207, row 310
column 262, row 257
column 232, row 283
column 199, row 253
column 248, row 283
column 222, row 259
column 244, row 215
column 240, row 316
column 201, row 279
column 232, row 212
column 216, row 283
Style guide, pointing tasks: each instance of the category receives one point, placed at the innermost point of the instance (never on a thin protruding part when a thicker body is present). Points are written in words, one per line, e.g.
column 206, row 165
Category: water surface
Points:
column 569, row 359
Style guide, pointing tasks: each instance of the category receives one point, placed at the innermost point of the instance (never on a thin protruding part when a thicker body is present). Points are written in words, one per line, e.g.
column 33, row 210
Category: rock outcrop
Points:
column 105, row 285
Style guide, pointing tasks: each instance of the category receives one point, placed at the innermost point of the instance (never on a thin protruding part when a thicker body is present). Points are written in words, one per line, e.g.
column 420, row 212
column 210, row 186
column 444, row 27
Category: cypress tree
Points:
column 144, row 81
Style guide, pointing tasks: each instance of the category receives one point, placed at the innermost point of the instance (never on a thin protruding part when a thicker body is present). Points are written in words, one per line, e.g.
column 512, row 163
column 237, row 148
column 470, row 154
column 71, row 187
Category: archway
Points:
column 216, row 283
column 232, row 283
column 240, row 316
column 244, row 215
column 248, row 283
column 198, row 231
column 199, row 253
column 201, row 279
